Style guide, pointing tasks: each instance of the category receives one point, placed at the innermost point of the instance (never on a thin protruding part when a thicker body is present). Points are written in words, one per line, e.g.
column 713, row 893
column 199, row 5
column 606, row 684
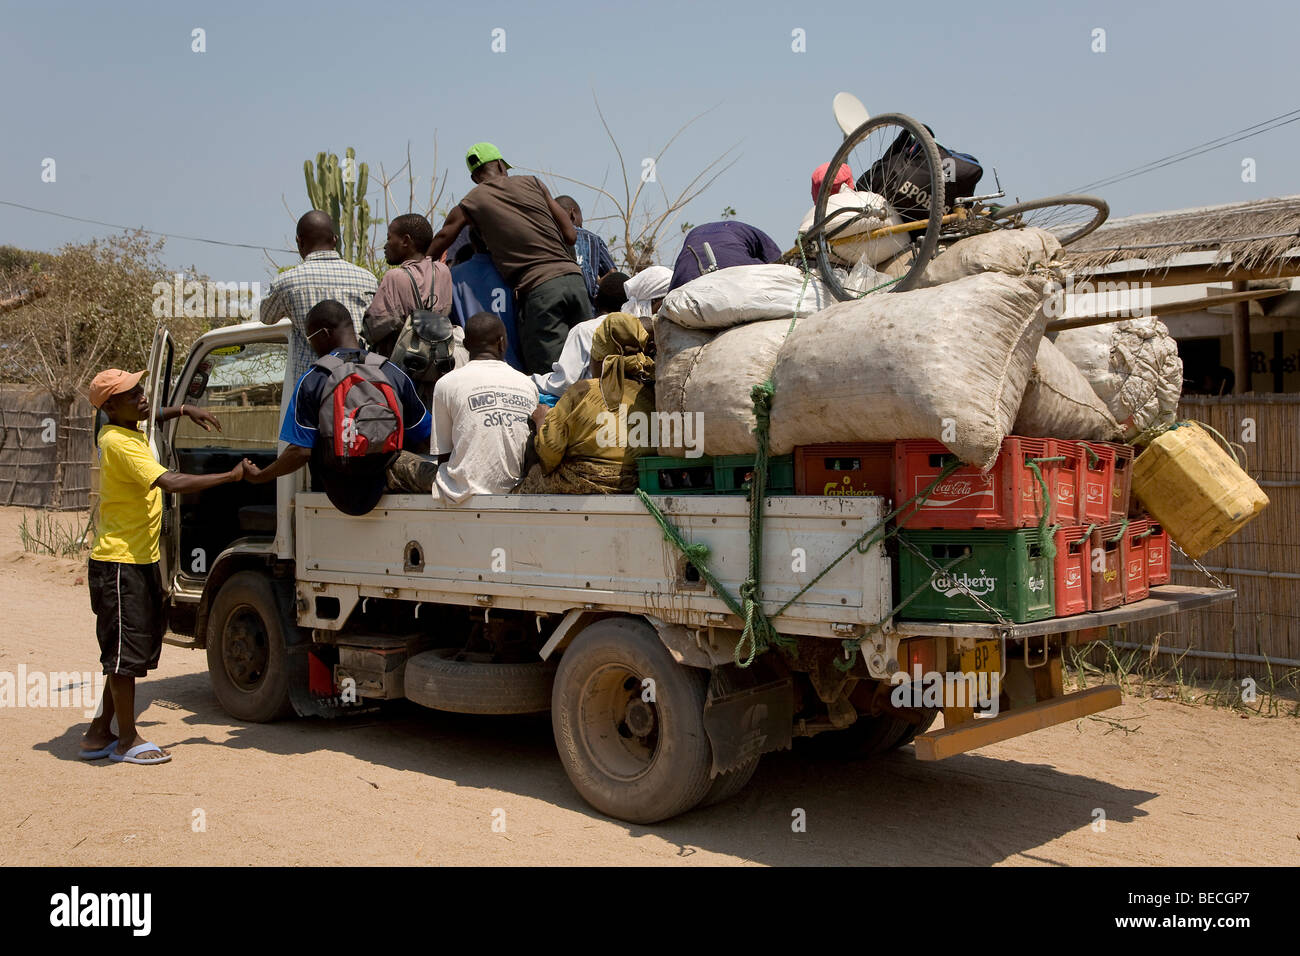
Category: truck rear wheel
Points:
column 247, row 661
column 629, row 723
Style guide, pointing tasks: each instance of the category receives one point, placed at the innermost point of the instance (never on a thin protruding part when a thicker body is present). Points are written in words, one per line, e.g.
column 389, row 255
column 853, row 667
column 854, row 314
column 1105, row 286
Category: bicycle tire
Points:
column 929, row 241
column 1032, row 205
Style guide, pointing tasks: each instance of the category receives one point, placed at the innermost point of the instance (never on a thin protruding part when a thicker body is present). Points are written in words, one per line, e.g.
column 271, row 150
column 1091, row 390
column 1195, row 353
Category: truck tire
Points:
column 910, row 732
column 247, row 661
column 636, row 760
column 437, row 679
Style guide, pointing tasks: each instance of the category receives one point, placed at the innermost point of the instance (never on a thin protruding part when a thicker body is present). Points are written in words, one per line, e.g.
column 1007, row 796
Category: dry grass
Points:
column 46, row 532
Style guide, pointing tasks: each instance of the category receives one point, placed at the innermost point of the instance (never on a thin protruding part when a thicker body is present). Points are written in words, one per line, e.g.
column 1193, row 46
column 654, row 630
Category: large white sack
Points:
column 949, row 363
column 875, row 251
column 719, row 300
column 1059, row 402
column 1017, row 252
column 710, row 375
column 1133, row 366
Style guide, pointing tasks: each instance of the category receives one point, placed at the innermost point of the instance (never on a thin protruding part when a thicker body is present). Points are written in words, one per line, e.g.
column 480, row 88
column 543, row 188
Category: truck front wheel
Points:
column 629, row 723
column 246, row 650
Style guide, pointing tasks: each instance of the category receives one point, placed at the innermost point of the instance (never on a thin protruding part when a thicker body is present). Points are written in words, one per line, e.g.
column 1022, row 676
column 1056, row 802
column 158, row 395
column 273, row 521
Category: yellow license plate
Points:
column 984, row 657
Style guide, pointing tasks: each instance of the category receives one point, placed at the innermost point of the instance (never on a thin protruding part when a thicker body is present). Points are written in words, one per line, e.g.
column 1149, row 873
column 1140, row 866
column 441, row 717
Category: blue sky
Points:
column 146, row 132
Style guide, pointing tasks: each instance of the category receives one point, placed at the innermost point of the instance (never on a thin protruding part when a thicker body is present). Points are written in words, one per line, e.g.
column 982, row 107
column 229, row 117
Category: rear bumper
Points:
column 981, row 732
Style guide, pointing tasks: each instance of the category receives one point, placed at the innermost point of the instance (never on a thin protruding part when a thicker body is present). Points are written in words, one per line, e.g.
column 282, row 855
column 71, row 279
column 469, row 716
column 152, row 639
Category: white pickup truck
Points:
column 574, row 604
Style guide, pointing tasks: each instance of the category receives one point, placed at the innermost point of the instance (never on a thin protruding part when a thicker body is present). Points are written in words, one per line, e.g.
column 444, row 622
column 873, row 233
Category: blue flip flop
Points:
column 97, row 754
column 133, row 755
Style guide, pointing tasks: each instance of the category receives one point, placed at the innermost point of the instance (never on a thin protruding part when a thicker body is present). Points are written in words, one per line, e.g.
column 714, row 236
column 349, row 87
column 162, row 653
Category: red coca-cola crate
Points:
column 1096, row 481
column 1066, row 506
column 1121, row 487
column 1134, row 555
column 1073, row 579
column 1107, row 567
column 1007, row 496
column 845, row 468
column 1157, row 555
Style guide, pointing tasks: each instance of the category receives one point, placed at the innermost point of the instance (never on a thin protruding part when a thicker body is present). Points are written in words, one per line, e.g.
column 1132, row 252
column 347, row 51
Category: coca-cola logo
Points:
column 1157, row 555
column 1134, row 570
column 1064, row 492
column 1096, row 493
column 1073, row 578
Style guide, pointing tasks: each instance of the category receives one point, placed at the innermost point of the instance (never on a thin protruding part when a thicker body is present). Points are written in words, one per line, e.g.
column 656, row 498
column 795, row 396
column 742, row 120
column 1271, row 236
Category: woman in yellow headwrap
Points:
column 590, row 441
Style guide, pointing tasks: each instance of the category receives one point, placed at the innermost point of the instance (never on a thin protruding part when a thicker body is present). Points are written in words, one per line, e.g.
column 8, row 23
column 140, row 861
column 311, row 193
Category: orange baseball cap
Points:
column 110, row 382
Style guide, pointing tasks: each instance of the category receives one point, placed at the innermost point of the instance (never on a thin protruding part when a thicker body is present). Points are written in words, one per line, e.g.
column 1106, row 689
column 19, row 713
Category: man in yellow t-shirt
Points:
column 126, row 589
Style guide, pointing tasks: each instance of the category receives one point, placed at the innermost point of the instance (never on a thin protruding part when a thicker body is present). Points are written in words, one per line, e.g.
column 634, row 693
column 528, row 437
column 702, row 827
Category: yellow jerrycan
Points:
column 1195, row 489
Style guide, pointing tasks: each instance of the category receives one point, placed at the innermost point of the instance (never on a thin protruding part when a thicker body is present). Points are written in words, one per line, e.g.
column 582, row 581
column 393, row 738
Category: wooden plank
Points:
column 1181, row 307
column 1164, row 600
column 981, row 732
column 1241, row 383
column 1193, row 275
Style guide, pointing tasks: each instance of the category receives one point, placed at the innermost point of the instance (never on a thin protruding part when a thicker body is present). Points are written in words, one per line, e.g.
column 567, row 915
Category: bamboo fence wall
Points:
column 28, row 461
column 1264, row 621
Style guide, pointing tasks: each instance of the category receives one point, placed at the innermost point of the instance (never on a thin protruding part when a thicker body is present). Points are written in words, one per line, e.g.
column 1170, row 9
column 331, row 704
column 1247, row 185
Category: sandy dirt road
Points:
column 1192, row 785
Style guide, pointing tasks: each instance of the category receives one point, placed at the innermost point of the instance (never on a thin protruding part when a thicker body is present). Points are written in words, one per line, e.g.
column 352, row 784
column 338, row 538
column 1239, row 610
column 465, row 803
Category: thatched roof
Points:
column 1251, row 234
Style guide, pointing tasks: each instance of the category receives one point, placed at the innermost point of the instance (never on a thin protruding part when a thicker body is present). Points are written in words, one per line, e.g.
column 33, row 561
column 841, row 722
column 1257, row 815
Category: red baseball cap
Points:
column 843, row 178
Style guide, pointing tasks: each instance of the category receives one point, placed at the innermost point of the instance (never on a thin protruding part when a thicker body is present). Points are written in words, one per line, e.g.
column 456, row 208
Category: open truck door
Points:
column 161, row 356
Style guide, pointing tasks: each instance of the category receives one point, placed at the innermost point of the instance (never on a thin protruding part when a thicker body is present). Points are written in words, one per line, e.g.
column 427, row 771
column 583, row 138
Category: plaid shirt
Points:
column 593, row 257
column 320, row 276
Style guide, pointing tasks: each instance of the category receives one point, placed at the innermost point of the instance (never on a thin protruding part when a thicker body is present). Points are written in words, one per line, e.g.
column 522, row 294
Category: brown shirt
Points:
column 395, row 299
column 514, row 219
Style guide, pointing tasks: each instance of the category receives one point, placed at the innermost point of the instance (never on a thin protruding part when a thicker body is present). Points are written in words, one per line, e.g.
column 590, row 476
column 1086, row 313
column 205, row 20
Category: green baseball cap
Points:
column 481, row 153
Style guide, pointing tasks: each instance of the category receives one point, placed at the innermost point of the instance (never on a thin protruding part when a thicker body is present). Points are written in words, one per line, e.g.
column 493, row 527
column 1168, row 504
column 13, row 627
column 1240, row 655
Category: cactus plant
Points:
column 344, row 199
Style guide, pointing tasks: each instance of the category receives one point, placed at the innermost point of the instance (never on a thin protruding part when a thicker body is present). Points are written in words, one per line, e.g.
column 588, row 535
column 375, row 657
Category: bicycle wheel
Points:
column 1067, row 217
column 895, row 157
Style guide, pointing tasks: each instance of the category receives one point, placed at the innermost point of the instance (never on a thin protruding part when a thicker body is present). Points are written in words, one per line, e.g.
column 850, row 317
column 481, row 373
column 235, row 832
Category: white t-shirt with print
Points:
column 480, row 418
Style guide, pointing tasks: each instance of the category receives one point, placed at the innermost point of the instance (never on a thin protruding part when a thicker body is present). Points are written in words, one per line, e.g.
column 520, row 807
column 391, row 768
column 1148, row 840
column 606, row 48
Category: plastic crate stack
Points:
column 982, row 529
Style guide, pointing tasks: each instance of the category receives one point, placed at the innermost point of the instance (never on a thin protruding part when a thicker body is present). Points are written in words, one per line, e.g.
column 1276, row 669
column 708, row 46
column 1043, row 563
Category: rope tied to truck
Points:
column 758, row 633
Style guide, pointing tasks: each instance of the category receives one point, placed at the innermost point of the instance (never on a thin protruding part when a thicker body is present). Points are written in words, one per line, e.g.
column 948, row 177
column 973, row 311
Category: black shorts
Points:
column 128, row 603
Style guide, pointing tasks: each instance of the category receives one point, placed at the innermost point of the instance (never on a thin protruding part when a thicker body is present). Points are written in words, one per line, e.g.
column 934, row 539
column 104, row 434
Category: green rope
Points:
column 1123, row 526
column 1046, row 531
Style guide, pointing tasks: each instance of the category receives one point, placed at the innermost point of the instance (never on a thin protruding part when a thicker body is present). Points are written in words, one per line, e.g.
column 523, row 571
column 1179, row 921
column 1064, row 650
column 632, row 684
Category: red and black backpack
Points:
column 360, row 415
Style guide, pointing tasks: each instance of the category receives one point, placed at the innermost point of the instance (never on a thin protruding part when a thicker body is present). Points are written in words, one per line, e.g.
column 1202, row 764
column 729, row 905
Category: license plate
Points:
column 984, row 657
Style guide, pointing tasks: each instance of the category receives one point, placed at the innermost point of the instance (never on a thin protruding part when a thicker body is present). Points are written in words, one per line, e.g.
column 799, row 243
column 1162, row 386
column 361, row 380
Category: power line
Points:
column 1192, row 151
column 152, row 232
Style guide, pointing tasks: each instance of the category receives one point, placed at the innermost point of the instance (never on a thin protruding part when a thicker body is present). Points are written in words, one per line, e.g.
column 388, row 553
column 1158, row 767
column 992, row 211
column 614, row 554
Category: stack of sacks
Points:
column 1059, row 402
column 949, row 363
column 1133, row 366
column 1016, row 252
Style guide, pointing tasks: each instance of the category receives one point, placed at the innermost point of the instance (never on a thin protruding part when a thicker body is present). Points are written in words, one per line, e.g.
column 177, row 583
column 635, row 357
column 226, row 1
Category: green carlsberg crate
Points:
column 1010, row 571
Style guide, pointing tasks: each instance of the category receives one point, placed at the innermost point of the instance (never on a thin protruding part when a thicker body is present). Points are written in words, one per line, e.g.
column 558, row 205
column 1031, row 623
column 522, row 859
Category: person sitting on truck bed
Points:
column 481, row 417
column 330, row 331
column 589, row 443
column 729, row 242
column 573, row 362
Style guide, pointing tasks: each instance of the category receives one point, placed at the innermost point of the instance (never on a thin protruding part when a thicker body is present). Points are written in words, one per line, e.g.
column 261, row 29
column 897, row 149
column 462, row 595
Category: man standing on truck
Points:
column 409, row 236
column 356, row 492
column 589, row 249
column 530, row 237
column 322, row 274
column 126, row 586
column 482, row 416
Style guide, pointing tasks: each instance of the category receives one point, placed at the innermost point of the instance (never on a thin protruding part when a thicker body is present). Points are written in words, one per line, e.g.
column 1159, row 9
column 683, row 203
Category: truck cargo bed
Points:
column 552, row 553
